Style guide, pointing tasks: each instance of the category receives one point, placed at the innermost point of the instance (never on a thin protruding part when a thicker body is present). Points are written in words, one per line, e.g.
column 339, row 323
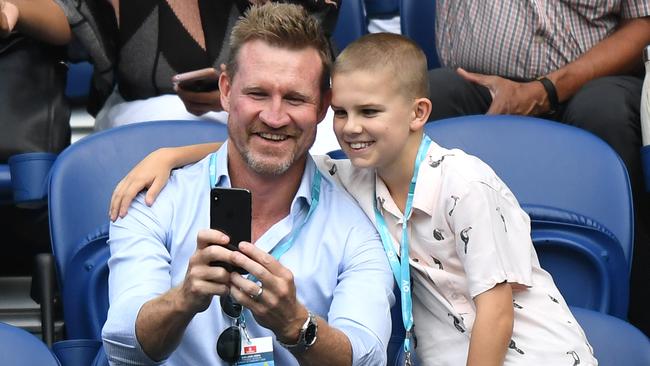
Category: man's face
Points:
column 274, row 104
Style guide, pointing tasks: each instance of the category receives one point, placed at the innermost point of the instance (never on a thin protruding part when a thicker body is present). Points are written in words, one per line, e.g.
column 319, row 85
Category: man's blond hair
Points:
column 280, row 25
column 389, row 53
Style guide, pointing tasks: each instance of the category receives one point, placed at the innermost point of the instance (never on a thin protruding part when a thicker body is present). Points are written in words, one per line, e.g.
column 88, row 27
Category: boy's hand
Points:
column 8, row 17
column 151, row 173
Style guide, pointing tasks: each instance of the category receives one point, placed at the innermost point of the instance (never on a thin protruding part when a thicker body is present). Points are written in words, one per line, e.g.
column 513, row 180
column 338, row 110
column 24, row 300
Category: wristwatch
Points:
column 306, row 337
column 551, row 92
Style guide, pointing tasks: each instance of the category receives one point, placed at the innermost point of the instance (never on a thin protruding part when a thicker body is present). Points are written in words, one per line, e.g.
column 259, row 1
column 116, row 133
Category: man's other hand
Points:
column 511, row 97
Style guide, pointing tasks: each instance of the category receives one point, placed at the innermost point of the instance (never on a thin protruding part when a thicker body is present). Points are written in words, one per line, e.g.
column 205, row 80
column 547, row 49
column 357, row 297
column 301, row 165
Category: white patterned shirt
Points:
column 468, row 234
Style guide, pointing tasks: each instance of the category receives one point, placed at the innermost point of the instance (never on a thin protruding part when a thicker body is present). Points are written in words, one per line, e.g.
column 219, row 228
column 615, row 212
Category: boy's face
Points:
column 371, row 118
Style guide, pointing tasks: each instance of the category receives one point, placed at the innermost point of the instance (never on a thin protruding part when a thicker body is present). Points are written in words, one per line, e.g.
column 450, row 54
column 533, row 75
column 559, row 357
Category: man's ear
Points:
column 421, row 111
column 224, row 90
column 326, row 98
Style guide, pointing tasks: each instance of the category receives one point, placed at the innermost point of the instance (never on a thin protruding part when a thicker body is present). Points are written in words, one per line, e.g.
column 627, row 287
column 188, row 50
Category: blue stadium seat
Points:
column 351, row 23
column 78, row 83
column 417, row 19
column 6, row 192
column 20, row 348
column 381, row 8
column 576, row 191
column 615, row 342
column 645, row 163
column 81, row 185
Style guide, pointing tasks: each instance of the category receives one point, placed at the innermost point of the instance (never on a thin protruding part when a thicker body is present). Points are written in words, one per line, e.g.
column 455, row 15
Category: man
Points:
column 575, row 62
column 325, row 301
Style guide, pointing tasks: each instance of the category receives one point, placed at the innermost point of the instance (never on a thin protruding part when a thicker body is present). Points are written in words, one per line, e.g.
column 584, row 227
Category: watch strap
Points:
column 306, row 337
column 551, row 92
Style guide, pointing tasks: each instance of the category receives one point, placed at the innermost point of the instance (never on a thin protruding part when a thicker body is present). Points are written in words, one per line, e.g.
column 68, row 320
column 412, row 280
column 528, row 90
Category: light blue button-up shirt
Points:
column 340, row 269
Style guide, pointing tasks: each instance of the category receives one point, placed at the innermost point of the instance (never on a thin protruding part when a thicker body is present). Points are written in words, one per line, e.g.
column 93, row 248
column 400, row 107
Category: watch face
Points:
column 310, row 333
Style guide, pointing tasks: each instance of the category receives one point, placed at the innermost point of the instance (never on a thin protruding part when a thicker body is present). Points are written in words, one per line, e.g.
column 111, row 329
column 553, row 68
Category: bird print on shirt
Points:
column 457, row 323
column 437, row 234
column 553, row 299
column 436, row 163
column 502, row 219
column 465, row 237
column 576, row 358
column 437, row 262
column 515, row 305
column 455, row 198
column 333, row 169
column 513, row 346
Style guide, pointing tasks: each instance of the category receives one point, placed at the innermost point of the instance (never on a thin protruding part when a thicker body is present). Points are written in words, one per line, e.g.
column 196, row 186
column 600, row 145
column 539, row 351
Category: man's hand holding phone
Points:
column 203, row 280
column 272, row 298
column 199, row 90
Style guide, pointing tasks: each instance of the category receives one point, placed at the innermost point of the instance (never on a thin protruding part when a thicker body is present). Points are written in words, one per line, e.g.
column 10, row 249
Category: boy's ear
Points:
column 224, row 90
column 421, row 111
column 326, row 99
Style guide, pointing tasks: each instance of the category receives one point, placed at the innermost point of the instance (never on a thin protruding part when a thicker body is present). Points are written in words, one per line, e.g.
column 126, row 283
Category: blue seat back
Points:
column 81, row 184
column 77, row 87
column 576, row 190
column 20, row 348
column 350, row 24
column 417, row 19
column 615, row 342
column 381, row 8
column 6, row 192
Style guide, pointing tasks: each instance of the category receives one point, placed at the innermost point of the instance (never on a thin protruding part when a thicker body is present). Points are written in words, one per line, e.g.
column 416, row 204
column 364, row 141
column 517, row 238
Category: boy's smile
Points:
column 371, row 118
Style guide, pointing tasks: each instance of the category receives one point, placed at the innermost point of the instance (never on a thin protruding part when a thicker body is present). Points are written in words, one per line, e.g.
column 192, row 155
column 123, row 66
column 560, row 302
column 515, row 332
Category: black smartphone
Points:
column 230, row 213
column 203, row 80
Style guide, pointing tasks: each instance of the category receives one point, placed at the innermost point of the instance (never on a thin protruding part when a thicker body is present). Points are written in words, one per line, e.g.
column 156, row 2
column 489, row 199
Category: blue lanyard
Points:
column 400, row 268
column 279, row 250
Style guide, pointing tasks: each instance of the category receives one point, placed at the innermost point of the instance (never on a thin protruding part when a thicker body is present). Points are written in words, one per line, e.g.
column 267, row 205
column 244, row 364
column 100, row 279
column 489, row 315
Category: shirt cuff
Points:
column 119, row 337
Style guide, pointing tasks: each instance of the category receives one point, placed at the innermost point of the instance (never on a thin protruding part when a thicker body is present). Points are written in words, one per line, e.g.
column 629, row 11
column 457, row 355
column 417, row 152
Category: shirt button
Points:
column 539, row 39
column 416, row 260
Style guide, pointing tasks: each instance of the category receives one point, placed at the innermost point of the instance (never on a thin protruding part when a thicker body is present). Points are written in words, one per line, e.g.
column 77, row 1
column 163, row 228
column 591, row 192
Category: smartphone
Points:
column 230, row 213
column 203, row 80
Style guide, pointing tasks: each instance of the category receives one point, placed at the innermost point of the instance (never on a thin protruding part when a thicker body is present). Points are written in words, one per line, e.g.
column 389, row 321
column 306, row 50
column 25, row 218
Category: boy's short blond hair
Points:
column 281, row 25
column 389, row 53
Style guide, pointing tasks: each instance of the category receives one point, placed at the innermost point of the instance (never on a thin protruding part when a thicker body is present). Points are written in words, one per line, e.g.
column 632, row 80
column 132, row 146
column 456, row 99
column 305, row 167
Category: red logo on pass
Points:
column 250, row 349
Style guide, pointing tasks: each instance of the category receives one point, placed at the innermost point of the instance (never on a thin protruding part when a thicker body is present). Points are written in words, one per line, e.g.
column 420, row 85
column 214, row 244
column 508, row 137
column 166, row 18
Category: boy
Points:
column 479, row 293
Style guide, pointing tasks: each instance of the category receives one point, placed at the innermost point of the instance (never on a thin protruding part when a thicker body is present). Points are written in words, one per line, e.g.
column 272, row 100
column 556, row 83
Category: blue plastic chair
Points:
column 6, row 192
column 350, row 24
column 576, row 191
column 82, row 181
column 417, row 18
column 381, row 8
column 20, row 348
column 615, row 341
column 78, row 83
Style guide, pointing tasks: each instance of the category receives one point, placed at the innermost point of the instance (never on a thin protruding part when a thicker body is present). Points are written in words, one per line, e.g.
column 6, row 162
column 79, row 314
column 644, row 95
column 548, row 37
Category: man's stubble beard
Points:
column 262, row 167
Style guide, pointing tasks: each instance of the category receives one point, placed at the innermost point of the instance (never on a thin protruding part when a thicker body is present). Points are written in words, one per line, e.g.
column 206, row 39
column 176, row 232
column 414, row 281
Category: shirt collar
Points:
column 303, row 195
column 426, row 187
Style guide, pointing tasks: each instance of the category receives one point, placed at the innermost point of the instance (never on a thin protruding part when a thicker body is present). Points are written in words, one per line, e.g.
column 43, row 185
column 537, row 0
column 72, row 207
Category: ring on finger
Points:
column 258, row 294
